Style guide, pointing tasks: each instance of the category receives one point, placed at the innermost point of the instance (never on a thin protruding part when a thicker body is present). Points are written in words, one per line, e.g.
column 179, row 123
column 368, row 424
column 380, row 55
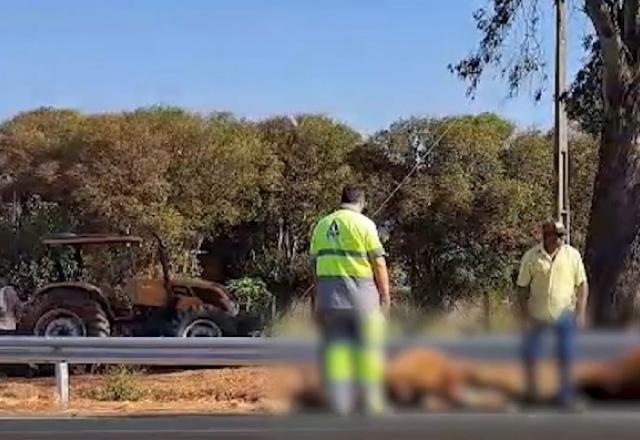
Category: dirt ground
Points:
column 220, row 390
column 233, row 390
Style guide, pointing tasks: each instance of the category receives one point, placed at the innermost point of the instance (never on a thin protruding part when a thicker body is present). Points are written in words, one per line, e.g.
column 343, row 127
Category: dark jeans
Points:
column 564, row 329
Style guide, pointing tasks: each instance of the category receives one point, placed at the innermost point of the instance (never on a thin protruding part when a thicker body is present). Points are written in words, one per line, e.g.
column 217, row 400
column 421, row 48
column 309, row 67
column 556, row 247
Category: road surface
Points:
column 600, row 425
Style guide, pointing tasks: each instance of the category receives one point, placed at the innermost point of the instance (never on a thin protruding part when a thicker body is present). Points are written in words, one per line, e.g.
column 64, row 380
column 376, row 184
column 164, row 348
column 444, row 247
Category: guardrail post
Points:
column 62, row 383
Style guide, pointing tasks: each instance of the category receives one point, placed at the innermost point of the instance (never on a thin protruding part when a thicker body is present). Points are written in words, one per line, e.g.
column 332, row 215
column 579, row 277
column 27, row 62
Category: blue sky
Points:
column 367, row 62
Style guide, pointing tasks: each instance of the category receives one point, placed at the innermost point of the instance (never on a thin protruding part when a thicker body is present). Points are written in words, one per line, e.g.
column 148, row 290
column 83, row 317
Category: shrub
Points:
column 120, row 385
column 253, row 294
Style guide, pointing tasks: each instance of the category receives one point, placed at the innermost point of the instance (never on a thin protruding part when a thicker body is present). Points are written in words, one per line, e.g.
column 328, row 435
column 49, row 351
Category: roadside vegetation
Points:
column 120, row 384
column 235, row 200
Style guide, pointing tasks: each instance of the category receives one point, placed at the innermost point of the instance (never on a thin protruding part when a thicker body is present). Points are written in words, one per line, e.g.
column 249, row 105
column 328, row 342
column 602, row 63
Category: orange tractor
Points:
column 132, row 306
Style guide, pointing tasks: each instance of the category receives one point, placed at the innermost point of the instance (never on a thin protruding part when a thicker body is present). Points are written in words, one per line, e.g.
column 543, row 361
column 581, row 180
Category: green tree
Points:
column 23, row 258
column 157, row 170
column 313, row 152
column 444, row 223
column 37, row 153
column 468, row 206
column 221, row 172
column 37, row 157
column 476, row 193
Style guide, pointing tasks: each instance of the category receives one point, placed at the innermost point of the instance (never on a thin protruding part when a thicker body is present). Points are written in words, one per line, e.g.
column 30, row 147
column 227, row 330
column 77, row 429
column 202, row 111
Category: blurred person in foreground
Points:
column 350, row 301
column 553, row 292
column 10, row 308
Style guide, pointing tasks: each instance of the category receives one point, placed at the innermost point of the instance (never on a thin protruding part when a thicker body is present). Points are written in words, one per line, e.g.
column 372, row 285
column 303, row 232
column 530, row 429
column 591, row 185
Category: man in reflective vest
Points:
column 351, row 297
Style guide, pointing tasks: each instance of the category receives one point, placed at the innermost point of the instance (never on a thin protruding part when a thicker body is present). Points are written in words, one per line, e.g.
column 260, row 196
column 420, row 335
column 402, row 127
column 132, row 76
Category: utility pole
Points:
column 561, row 136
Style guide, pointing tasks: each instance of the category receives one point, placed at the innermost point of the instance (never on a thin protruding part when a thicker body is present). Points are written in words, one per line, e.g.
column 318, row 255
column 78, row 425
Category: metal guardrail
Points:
column 145, row 351
column 258, row 351
column 149, row 351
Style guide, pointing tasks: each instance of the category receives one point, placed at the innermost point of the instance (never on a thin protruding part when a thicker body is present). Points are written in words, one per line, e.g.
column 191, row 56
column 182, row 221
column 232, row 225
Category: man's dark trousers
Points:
column 564, row 330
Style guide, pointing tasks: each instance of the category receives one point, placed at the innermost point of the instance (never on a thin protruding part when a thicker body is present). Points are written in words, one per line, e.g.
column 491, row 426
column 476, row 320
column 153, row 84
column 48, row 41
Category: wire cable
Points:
column 404, row 181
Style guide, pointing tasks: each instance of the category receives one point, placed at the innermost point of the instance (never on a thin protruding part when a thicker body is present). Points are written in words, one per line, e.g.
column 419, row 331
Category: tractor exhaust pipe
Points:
column 164, row 261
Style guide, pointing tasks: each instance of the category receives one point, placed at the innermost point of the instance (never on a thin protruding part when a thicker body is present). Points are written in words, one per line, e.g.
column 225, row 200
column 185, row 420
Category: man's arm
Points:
column 376, row 253
column 313, row 287
column 582, row 293
column 381, row 277
column 523, row 288
column 313, row 251
column 523, row 296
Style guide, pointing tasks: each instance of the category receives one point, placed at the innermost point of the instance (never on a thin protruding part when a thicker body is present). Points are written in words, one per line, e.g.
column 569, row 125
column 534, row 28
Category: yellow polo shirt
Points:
column 552, row 280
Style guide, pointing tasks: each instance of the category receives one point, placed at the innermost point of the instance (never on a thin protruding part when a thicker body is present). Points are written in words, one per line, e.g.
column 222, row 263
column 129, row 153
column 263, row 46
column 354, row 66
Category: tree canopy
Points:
column 244, row 195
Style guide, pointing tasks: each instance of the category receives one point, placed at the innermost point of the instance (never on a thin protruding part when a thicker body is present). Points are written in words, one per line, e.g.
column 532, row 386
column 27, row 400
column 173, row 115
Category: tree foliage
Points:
column 510, row 41
column 479, row 191
column 248, row 194
column 584, row 98
column 504, row 22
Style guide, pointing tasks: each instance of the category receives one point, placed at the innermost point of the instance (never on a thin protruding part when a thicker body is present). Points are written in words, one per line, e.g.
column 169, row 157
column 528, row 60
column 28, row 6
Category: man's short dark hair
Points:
column 353, row 194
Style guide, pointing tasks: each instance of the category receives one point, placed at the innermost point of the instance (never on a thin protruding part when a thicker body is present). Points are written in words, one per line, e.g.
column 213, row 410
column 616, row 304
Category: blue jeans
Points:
column 564, row 329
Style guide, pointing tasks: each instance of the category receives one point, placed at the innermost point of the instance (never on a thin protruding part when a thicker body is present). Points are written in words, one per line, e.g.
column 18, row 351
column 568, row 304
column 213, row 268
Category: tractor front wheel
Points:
column 202, row 321
column 67, row 313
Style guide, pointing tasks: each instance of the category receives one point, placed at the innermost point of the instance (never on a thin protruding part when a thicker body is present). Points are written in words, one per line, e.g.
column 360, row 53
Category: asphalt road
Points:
column 601, row 425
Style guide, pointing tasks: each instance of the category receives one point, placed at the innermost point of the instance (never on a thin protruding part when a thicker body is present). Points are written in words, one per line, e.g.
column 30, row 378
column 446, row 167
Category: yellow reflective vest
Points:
column 343, row 244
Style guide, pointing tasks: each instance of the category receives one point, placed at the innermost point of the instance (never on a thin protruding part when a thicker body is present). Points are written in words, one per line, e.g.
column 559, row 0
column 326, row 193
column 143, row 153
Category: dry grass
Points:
column 245, row 390
column 220, row 390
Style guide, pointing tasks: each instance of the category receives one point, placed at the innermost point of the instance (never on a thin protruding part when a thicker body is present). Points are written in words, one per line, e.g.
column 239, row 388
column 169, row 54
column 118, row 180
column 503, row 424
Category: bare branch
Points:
column 497, row 25
column 584, row 99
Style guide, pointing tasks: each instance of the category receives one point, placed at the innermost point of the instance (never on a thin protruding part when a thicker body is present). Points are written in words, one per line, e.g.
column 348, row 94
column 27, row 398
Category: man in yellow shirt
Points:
column 553, row 292
column 352, row 292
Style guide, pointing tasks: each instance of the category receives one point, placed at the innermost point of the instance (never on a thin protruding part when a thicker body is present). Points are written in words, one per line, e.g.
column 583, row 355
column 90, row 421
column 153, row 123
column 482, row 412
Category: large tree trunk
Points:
column 613, row 244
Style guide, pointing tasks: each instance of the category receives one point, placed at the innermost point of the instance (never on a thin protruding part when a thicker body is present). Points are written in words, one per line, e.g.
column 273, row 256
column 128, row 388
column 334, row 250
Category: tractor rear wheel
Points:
column 201, row 321
column 67, row 313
